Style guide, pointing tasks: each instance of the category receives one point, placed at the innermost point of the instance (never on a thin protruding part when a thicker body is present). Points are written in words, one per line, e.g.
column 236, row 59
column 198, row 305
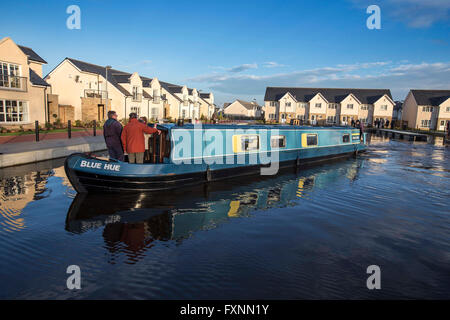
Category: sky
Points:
column 236, row 49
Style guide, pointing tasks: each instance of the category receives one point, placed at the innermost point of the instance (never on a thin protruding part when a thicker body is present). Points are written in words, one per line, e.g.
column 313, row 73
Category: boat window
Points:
column 249, row 143
column 346, row 138
column 311, row 139
column 278, row 141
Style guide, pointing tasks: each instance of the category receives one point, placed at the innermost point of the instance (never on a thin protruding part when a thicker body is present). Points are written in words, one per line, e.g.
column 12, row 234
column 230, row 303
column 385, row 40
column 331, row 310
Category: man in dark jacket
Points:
column 112, row 131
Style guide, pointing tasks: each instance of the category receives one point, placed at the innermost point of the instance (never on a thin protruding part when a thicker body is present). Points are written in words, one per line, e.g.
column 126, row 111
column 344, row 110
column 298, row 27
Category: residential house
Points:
column 397, row 114
column 92, row 90
column 426, row 109
column 23, row 92
column 207, row 107
column 244, row 109
column 327, row 105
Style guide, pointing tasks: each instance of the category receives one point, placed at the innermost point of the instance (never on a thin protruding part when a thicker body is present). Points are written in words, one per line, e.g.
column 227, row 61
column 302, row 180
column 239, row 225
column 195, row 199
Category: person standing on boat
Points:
column 112, row 131
column 133, row 140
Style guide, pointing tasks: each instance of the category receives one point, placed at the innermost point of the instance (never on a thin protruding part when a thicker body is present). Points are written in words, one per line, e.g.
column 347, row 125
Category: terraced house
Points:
column 23, row 92
column 327, row 105
column 426, row 109
column 90, row 91
column 244, row 109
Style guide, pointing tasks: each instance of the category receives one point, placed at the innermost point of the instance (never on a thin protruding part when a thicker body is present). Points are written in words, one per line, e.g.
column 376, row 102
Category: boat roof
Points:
column 171, row 126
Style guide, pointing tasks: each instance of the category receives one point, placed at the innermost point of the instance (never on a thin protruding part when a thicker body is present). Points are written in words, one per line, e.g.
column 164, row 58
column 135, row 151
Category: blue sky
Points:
column 237, row 48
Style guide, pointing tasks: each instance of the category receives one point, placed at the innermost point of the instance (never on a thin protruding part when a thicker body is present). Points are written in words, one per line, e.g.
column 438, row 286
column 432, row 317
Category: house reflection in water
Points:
column 15, row 194
column 133, row 223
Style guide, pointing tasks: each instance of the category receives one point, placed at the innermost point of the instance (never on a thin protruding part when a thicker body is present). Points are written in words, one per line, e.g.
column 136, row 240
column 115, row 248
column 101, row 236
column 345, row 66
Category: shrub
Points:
column 78, row 123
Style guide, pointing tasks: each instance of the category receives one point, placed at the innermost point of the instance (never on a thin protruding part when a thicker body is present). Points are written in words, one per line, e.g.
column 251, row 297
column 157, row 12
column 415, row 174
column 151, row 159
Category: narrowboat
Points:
column 192, row 154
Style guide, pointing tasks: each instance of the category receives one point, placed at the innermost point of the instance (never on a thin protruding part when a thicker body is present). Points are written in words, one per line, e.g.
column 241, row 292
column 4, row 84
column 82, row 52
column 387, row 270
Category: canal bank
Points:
column 13, row 154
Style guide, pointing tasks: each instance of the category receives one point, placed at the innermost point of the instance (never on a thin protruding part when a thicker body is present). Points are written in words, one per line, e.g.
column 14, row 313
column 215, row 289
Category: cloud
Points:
column 243, row 67
column 399, row 77
column 272, row 64
column 414, row 13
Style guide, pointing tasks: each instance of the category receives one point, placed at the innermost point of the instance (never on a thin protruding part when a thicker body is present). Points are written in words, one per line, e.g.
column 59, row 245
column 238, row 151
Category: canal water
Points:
column 300, row 235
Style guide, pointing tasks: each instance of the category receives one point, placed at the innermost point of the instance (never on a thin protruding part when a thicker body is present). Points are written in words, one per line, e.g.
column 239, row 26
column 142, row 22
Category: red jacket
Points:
column 133, row 136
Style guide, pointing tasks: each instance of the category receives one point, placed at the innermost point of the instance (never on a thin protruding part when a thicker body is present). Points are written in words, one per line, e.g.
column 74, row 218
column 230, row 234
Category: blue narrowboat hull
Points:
column 90, row 174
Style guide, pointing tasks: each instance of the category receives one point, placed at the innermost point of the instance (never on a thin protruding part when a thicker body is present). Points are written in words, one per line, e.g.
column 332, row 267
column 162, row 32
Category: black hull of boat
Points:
column 96, row 183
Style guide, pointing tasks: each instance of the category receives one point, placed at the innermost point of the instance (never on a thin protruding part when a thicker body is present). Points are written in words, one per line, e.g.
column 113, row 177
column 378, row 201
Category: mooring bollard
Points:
column 36, row 130
column 69, row 129
column 95, row 128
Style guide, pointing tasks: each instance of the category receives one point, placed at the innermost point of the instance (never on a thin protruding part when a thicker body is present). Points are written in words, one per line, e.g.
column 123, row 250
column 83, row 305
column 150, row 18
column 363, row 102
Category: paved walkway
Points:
column 12, row 154
column 48, row 136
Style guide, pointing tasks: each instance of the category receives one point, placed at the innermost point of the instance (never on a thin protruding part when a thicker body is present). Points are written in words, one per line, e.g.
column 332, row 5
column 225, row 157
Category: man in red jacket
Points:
column 133, row 139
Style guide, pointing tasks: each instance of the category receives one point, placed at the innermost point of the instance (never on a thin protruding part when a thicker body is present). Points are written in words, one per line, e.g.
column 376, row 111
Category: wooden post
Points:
column 154, row 148
column 36, row 130
column 161, row 147
column 95, row 128
column 69, row 129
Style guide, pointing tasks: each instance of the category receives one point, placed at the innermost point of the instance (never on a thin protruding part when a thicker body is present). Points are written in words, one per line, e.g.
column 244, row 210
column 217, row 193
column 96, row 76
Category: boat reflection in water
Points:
column 133, row 222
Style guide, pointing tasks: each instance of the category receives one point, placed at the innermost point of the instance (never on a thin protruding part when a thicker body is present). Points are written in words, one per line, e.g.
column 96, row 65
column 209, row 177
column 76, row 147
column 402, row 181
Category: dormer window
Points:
column 136, row 95
column 156, row 96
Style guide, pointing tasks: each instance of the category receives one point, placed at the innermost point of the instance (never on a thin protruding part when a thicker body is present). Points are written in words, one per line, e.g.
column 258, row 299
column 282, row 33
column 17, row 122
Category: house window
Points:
column 332, row 106
column 273, row 103
column 183, row 114
column 278, row 142
column 288, row 104
column 249, row 143
column 301, row 117
column 448, row 109
column 427, row 109
column 272, row 116
column 9, row 75
column 318, row 105
column 13, row 111
column 346, row 138
column 364, row 107
column 426, row 123
column 155, row 113
column 349, row 106
column 311, row 140
column 442, row 122
column 136, row 110
column 283, row 116
column 331, row 119
column 383, row 107
column 303, row 105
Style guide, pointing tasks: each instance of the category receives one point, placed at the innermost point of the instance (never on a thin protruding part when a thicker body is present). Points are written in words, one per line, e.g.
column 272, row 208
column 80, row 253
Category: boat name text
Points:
column 99, row 165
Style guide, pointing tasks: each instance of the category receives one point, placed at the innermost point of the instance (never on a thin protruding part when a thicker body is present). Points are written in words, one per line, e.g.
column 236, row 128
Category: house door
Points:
column 442, row 125
column 101, row 112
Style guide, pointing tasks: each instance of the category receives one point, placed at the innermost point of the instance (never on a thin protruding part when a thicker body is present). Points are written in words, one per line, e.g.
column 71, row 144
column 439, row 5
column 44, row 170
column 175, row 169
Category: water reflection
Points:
column 15, row 194
column 132, row 223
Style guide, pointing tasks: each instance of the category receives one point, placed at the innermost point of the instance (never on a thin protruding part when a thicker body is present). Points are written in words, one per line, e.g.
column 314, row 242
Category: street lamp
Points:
column 106, row 88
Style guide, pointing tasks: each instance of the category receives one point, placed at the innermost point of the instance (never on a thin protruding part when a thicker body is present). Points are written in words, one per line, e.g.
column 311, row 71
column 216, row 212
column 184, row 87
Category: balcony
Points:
column 91, row 93
column 137, row 97
column 13, row 83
